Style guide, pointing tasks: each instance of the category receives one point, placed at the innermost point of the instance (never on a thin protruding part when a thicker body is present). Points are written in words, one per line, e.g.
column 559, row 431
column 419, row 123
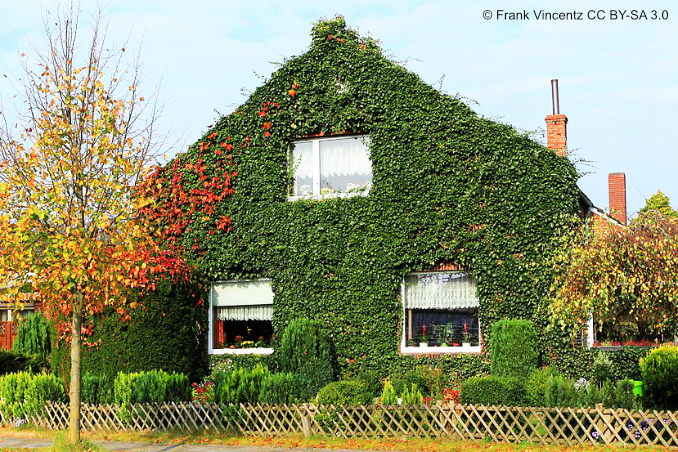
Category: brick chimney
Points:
column 617, row 186
column 556, row 124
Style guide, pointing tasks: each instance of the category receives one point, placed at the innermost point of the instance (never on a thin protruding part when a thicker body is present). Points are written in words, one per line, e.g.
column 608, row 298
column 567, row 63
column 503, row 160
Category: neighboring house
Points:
column 371, row 201
column 9, row 313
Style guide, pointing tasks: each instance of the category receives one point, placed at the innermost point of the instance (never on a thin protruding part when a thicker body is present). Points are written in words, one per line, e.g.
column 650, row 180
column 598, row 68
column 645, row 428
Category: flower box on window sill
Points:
column 429, row 349
column 242, row 351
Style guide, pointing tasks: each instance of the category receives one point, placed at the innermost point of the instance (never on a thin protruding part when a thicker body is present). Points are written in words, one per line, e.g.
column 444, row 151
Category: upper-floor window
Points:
column 335, row 166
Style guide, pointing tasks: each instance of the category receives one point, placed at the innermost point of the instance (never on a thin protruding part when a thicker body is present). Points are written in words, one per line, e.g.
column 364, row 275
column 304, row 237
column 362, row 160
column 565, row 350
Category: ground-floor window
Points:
column 440, row 313
column 240, row 317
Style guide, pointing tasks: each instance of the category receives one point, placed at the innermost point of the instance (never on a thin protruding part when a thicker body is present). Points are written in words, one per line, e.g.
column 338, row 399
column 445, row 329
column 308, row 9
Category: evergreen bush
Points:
column 240, row 385
column 389, row 395
column 514, row 349
column 624, row 396
column 344, row 393
column 659, row 370
column 159, row 386
column 33, row 339
column 493, row 390
column 535, row 385
column 306, row 351
column 560, row 392
column 371, row 381
column 168, row 331
column 412, row 396
column 24, row 393
column 278, row 389
column 95, row 389
column 12, row 362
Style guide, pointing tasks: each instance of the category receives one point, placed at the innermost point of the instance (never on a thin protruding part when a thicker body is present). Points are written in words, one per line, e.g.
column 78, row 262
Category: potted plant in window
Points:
column 423, row 341
column 447, row 335
column 439, row 335
column 466, row 342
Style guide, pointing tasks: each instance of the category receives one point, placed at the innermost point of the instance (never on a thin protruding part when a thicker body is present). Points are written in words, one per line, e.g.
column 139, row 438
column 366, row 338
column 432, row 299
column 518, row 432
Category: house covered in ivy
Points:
column 347, row 190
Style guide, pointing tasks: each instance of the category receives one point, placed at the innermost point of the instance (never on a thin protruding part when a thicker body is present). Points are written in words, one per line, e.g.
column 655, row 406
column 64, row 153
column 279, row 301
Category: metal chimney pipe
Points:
column 554, row 96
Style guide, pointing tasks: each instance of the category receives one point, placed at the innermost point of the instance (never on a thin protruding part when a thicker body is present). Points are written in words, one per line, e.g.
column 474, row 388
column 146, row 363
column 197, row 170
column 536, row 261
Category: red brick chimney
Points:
column 556, row 124
column 617, row 186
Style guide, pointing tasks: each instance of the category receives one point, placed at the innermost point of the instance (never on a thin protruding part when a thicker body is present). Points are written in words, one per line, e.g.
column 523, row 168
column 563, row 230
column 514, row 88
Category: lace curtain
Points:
column 302, row 156
column 338, row 157
column 345, row 157
column 440, row 291
column 260, row 312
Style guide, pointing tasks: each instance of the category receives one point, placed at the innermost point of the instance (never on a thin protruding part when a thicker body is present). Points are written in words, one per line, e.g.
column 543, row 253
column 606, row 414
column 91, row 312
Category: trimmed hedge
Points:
column 167, row 332
column 514, row 349
column 493, row 390
column 344, row 393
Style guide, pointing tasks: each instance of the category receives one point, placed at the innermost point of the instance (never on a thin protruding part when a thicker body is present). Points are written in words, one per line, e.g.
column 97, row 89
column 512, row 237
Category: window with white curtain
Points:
column 440, row 313
column 241, row 314
column 336, row 166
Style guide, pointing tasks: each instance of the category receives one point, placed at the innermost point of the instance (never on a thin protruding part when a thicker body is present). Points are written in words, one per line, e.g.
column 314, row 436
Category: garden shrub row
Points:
column 23, row 394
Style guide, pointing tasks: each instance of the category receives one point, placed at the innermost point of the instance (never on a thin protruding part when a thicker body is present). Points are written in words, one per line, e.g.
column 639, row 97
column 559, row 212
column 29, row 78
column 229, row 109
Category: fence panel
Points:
column 555, row 426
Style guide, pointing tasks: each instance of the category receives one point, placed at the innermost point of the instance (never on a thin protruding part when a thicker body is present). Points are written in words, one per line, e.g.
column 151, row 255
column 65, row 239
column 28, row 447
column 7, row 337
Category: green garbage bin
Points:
column 638, row 388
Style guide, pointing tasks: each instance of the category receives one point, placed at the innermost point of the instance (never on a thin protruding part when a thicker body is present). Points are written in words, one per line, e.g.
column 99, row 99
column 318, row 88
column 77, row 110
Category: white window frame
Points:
column 316, row 169
column 210, row 329
column 405, row 349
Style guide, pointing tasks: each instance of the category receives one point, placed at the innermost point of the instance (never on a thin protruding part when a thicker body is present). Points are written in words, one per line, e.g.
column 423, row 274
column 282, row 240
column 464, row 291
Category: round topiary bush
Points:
column 344, row 393
column 659, row 371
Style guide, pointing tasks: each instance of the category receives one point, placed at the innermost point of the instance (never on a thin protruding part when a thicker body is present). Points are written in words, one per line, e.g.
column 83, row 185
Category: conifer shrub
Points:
column 24, row 393
column 33, row 339
column 535, row 385
column 278, row 389
column 560, row 392
column 240, row 385
column 514, row 350
column 412, row 395
column 151, row 387
column 659, row 370
column 12, row 362
column 306, row 351
column 95, row 389
column 389, row 395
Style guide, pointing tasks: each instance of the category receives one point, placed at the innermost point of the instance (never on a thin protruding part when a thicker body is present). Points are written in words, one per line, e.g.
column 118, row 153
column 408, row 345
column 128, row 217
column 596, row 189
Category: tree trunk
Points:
column 76, row 367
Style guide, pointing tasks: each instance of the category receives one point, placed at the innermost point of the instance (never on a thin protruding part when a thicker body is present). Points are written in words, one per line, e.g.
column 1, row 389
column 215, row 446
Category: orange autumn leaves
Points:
column 67, row 226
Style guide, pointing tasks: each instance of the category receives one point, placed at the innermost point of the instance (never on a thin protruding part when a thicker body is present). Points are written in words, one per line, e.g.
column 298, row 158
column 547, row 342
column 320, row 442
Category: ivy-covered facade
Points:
column 445, row 195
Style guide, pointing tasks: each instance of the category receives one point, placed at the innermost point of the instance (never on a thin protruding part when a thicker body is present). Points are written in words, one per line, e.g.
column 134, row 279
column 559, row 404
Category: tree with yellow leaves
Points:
column 68, row 231
column 620, row 275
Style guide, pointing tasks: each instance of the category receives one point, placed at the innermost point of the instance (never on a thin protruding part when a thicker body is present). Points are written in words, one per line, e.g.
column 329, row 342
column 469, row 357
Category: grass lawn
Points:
column 294, row 441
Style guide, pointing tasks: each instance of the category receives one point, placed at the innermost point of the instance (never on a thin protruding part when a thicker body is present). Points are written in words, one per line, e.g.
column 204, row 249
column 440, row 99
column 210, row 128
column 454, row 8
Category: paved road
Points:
column 29, row 443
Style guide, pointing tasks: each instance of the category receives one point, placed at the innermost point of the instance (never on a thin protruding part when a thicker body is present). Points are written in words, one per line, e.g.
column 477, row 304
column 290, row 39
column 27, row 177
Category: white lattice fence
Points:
column 567, row 426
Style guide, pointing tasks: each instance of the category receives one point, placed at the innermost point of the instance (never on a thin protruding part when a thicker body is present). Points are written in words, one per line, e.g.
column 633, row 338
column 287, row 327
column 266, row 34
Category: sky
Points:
column 618, row 78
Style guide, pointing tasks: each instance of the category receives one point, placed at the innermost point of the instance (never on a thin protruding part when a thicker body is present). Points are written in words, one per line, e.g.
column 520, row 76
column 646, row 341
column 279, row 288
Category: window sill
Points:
column 439, row 350
column 328, row 196
column 241, row 351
